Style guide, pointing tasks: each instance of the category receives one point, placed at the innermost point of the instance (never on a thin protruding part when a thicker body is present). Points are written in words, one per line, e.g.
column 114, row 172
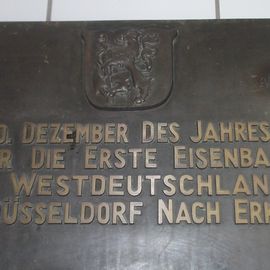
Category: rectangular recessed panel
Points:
column 26, row 10
column 231, row 9
column 132, row 10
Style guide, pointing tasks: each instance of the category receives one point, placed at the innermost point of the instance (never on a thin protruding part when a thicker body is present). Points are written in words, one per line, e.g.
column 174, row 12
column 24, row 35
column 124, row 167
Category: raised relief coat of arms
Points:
column 128, row 69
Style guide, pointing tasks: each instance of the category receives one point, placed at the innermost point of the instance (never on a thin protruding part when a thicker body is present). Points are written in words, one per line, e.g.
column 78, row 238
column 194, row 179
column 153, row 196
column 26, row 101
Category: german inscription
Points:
column 49, row 143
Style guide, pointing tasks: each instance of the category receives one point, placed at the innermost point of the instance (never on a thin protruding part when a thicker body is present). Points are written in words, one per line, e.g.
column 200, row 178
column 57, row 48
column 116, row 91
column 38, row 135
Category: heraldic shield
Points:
column 128, row 69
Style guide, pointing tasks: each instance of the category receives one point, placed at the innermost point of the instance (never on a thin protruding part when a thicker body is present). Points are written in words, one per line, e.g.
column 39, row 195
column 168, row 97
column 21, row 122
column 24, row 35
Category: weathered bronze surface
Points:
column 135, row 145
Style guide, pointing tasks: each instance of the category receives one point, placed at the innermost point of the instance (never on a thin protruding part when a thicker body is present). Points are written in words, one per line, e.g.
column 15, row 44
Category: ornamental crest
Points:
column 128, row 69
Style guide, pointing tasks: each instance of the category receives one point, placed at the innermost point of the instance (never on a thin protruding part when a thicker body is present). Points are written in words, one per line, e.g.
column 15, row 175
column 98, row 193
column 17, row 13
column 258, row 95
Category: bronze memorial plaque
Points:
column 135, row 145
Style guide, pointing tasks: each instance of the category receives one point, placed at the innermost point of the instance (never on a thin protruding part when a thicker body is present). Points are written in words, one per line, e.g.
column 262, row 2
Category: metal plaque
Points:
column 135, row 145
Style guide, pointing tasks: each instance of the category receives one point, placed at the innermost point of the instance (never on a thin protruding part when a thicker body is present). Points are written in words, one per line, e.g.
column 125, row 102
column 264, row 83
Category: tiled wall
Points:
column 65, row 10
